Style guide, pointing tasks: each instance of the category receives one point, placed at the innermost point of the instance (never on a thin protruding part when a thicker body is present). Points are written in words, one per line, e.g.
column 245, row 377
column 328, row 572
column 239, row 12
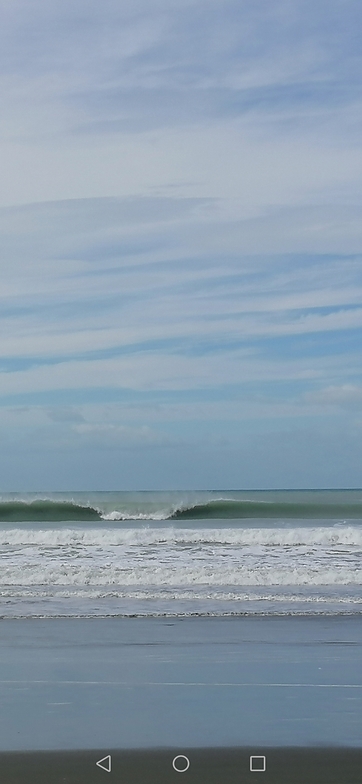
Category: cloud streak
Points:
column 180, row 223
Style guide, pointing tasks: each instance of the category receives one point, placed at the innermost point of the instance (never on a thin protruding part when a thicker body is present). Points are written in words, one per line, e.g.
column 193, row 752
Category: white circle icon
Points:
column 181, row 763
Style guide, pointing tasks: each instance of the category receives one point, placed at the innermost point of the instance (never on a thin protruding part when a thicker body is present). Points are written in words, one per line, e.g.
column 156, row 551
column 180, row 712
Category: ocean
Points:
column 217, row 553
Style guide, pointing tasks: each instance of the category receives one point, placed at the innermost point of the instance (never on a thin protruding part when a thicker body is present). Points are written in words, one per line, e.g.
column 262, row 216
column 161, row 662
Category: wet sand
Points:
column 195, row 683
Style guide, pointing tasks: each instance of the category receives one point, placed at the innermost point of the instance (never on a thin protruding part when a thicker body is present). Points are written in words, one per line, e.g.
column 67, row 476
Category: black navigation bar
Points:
column 188, row 766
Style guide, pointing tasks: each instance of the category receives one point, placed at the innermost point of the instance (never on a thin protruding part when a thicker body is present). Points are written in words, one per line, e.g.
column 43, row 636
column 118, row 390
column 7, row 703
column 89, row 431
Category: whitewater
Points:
column 181, row 554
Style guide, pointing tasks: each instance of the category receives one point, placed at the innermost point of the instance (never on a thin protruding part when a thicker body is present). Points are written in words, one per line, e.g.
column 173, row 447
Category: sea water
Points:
column 181, row 554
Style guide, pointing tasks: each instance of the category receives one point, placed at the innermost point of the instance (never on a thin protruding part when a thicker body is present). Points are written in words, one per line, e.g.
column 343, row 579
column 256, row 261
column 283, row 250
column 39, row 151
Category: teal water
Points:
column 290, row 504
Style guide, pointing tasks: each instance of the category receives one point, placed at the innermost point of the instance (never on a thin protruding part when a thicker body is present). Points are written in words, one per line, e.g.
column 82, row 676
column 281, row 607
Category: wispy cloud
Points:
column 180, row 220
column 345, row 395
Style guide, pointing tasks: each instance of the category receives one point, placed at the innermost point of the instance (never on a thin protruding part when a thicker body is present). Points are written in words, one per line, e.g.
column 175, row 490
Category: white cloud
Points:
column 148, row 371
column 344, row 396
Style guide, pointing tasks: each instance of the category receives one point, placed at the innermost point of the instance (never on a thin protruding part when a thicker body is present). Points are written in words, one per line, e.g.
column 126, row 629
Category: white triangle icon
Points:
column 105, row 763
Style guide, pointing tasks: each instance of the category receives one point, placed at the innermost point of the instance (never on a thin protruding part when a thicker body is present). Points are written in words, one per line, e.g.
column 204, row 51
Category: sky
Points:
column 181, row 244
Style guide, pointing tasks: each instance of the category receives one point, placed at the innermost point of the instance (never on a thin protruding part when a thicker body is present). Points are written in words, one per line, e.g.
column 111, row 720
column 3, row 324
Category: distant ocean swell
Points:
column 53, row 511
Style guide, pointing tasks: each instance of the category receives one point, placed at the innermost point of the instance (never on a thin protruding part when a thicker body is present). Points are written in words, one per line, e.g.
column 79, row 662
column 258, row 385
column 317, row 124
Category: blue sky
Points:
column 181, row 244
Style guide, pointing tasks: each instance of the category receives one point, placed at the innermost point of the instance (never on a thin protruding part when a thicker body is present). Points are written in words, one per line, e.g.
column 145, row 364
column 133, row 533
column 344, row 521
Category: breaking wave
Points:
column 55, row 510
column 328, row 536
column 75, row 554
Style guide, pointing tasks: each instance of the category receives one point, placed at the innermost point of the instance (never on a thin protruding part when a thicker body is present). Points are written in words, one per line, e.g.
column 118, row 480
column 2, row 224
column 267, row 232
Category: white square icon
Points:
column 258, row 764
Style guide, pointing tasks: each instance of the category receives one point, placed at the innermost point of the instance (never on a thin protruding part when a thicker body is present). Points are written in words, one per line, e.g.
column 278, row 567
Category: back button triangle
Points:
column 105, row 763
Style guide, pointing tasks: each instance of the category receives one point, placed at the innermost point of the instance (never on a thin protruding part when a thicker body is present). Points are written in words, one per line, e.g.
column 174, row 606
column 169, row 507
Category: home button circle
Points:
column 181, row 763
